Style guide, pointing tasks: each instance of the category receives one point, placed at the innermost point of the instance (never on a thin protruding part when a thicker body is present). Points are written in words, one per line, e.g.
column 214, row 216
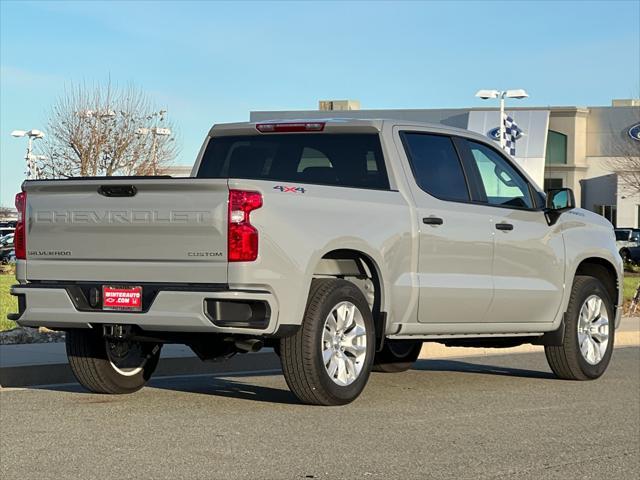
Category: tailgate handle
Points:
column 117, row 190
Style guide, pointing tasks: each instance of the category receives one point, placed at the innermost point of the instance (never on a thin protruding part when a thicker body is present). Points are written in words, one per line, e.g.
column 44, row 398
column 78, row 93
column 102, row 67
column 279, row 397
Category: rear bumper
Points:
column 171, row 310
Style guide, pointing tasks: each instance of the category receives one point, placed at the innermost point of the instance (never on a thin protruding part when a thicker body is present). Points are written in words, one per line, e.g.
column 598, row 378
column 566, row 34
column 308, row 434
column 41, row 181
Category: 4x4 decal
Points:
column 288, row 189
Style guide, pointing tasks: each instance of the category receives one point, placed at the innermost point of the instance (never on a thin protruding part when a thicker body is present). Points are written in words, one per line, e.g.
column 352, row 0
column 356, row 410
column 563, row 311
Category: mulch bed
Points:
column 30, row 335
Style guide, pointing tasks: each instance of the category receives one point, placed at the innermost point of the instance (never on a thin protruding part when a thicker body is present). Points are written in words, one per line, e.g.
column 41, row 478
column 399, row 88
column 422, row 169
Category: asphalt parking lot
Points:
column 487, row 417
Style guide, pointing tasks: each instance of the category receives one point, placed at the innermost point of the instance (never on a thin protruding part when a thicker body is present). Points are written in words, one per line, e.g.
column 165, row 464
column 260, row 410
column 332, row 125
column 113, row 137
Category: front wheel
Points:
column 589, row 330
column 328, row 360
column 104, row 365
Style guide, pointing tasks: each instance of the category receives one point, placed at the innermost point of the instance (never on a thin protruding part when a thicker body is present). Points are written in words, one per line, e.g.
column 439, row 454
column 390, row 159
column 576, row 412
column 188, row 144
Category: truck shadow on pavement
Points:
column 467, row 367
column 233, row 385
column 230, row 386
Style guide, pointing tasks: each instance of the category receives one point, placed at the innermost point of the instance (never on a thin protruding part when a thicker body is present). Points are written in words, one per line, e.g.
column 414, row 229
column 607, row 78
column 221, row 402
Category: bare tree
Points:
column 626, row 164
column 103, row 130
column 6, row 212
column 627, row 167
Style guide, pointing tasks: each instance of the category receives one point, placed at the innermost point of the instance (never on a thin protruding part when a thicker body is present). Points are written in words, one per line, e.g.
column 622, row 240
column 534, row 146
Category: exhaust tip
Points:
column 249, row 345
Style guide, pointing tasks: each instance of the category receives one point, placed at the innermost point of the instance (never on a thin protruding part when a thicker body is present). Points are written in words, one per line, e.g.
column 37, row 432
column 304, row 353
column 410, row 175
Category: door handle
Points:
column 504, row 226
column 432, row 221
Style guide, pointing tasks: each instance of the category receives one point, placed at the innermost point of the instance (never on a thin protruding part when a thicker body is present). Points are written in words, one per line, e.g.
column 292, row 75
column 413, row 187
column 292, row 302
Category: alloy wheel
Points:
column 344, row 343
column 593, row 329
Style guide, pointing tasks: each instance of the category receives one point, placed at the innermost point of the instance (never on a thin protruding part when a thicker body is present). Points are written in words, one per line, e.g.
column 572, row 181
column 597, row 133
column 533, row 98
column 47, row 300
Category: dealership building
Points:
column 559, row 146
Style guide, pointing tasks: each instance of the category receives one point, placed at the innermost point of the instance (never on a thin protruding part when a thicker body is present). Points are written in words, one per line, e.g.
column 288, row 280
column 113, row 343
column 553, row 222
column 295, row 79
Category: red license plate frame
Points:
column 122, row 298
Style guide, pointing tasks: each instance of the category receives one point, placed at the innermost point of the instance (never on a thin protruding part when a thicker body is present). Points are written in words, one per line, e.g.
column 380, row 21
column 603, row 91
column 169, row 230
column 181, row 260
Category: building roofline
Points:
column 552, row 108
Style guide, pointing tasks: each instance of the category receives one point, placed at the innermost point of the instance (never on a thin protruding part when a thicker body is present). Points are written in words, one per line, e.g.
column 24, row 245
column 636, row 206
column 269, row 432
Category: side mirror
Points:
column 559, row 201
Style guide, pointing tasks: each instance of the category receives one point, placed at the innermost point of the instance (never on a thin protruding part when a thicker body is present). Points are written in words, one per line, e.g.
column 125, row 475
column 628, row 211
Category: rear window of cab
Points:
column 345, row 160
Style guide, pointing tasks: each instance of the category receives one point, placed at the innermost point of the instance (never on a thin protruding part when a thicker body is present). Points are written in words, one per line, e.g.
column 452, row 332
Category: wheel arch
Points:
column 604, row 271
column 594, row 266
column 357, row 266
column 349, row 262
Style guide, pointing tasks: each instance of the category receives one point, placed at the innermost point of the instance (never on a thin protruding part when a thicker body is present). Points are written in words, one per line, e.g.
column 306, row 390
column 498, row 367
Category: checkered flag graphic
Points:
column 511, row 131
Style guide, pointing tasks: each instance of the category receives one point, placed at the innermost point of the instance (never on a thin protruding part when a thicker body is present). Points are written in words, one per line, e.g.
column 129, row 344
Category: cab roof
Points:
column 339, row 125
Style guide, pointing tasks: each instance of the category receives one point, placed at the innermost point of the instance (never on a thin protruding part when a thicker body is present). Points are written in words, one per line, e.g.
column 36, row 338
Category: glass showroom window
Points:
column 556, row 148
column 552, row 184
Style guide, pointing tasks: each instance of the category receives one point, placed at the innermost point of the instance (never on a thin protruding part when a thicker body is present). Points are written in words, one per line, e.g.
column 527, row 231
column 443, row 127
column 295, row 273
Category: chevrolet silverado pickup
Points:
column 341, row 244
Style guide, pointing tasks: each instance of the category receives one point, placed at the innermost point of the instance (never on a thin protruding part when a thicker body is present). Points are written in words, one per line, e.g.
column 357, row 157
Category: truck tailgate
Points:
column 139, row 230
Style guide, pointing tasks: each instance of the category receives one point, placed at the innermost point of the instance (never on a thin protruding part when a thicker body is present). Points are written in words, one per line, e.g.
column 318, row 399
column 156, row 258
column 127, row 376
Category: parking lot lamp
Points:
column 487, row 94
column 33, row 134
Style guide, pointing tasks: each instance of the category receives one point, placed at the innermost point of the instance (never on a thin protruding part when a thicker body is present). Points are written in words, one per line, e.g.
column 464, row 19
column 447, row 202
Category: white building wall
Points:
column 628, row 210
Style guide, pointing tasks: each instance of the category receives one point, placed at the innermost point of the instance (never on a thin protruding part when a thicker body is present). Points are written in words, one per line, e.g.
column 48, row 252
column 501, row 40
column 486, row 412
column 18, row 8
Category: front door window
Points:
column 503, row 185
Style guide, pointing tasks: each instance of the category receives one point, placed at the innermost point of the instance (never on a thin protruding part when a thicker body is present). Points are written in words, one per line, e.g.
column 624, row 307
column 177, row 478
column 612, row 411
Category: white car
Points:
column 6, row 240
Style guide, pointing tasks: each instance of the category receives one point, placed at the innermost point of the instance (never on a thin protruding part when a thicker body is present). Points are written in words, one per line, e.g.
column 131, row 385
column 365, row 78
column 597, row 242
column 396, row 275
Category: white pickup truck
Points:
column 342, row 244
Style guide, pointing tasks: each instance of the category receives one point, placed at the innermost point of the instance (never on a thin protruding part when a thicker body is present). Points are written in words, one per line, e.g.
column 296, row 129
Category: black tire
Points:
column 90, row 363
column 566, row 360
column 397, row 356
column 301, row 354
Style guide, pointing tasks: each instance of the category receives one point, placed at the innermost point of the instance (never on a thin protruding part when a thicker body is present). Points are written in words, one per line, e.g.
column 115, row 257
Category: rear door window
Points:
column 436, row 166
column 347, row 160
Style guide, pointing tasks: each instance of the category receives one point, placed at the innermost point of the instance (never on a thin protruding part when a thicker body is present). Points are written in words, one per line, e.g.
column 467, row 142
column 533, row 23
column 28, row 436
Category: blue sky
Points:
column 209, row 62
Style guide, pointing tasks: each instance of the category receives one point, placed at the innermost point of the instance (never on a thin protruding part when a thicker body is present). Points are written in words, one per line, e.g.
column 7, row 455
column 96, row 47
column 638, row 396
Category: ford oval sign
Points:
column 495, row 133
column 634, row 132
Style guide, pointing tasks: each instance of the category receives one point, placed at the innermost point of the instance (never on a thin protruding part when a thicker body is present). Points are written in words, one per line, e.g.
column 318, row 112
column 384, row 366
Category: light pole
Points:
column 33, row 134
column 155, row 132
column 486, row 94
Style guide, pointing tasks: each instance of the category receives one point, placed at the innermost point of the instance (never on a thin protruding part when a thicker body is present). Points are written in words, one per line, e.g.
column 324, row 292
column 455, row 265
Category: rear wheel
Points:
column 110, row 366
column 587, row 345
column 397, row 356
column 328, row 360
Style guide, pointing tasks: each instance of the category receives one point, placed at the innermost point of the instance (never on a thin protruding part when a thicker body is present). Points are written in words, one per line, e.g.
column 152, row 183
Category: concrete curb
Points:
column 60, row 373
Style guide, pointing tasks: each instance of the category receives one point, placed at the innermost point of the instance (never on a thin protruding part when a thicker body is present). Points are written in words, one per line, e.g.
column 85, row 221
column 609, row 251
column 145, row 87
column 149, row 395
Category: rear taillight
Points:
column 20, row 234
column 290, row 127
column 242, row 236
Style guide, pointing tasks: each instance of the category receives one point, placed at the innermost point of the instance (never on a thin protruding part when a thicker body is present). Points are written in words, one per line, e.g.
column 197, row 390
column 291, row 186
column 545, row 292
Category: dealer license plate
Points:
column 121, row 298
